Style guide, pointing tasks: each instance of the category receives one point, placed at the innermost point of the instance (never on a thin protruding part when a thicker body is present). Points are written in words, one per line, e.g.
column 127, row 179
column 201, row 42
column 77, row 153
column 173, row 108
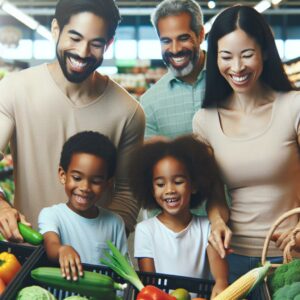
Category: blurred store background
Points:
column 134, row 59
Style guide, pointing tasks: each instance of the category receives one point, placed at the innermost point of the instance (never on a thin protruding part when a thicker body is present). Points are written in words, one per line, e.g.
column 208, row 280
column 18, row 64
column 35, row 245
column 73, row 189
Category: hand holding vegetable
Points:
column 30, row 235
column 70, row 263
column 9, row 217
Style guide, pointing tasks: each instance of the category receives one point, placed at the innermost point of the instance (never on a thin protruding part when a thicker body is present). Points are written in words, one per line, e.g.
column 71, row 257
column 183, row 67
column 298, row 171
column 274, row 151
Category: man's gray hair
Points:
column 176, row 7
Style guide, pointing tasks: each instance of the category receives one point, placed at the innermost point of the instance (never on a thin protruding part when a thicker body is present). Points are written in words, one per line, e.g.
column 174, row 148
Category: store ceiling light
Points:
column 211, row 4
column 43, row 31
column 262, row 6
column 276, row 2
column 25, row 19
column 18, row 14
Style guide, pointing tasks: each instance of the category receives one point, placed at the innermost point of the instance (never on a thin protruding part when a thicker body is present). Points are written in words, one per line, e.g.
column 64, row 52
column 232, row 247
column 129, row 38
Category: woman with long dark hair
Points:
column 250, row 117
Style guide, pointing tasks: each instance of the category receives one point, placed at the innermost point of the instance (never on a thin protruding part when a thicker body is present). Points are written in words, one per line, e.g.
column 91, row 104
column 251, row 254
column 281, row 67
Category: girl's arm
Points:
column 146, row 264
column 68, row 258
column 218, row 215
column 219, row 270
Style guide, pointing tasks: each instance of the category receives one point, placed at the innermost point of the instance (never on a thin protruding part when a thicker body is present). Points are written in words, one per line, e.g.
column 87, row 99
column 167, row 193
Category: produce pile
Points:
column 284, row 283
column 122, row 266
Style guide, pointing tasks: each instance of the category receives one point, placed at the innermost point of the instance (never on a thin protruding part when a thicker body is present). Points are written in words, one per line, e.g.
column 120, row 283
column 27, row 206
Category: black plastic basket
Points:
column 24, row 253
column 197, row 287
column 40, row 260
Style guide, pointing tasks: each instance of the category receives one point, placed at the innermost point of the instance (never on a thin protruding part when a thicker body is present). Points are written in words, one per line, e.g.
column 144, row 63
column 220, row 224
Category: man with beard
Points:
column 41, row 107
column 171, row 103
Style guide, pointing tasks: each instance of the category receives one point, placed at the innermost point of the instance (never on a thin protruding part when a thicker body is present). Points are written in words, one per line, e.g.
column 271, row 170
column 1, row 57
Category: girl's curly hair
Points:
column 196, row 156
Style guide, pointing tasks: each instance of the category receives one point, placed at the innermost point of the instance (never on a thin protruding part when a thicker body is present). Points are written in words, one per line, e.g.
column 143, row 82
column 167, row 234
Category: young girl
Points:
column 176, row 176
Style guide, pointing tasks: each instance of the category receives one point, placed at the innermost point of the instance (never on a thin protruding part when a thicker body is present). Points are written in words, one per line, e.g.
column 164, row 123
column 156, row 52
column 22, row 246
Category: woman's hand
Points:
column 70, row 263
column 290, row 236
column 220, row 237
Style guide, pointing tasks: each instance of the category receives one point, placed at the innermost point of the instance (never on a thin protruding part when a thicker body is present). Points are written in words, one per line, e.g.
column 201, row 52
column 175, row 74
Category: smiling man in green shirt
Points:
column 171, row 103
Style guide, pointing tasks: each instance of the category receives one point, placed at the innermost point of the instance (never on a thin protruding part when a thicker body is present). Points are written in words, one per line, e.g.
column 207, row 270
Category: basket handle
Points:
column 287, row 250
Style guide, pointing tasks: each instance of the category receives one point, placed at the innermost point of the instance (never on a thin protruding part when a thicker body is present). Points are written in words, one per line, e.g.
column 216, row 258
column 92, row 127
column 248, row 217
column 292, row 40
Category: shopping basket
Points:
column 24, row 279
column 287, row 255
column 24, row 253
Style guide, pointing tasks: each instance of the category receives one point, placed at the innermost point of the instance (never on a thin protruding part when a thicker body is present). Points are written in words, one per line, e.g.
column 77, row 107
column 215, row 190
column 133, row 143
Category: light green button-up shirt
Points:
column 170, row 105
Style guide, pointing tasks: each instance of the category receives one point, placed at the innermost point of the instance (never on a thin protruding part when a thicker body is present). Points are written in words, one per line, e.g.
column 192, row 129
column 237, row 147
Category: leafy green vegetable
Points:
column 285, row 275
column 34, row 292
column 288, row 292
column 121, row 265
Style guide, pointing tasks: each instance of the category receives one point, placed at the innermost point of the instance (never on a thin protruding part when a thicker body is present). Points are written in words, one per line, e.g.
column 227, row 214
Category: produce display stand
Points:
column 24, row 253
column 287, row 256
column 199, row 287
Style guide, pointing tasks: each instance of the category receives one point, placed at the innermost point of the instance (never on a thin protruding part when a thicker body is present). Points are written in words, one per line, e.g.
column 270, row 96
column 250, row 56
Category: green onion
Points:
column 121, row 265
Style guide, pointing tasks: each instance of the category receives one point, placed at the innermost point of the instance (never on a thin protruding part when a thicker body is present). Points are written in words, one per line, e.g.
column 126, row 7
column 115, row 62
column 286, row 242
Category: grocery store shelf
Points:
column 6, row 172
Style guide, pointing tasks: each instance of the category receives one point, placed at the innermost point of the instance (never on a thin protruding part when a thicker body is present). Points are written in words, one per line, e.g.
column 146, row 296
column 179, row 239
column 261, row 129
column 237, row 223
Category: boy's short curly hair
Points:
column 195, row 155
column 90, row 142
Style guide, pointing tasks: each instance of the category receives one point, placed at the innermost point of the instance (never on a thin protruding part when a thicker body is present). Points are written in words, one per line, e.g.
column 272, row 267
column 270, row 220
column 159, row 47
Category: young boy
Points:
column 77, row 231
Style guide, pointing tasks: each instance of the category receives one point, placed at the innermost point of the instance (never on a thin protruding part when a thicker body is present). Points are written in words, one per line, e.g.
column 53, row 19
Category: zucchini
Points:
column 30, row 235
column 92, row 284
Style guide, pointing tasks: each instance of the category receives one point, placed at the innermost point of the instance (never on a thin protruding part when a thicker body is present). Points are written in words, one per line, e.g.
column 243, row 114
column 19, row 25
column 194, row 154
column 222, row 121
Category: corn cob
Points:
column 91, row 284
column 243, row 285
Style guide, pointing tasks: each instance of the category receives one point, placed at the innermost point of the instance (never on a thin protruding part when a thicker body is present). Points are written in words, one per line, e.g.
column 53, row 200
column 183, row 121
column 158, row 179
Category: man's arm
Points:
column 8, row 215
column 123, row 202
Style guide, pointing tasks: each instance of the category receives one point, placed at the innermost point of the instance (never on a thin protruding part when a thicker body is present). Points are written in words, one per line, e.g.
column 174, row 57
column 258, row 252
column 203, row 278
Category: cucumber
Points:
column 30, row 235
column 92, row 284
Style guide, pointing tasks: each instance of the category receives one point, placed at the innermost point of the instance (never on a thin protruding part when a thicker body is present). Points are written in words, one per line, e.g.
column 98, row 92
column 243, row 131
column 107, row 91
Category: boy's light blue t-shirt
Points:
column 87, row 236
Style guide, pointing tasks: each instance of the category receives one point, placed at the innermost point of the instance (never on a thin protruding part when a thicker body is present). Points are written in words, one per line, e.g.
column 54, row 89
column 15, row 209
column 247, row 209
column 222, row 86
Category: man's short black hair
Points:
column 90, row 142
column 107, row 9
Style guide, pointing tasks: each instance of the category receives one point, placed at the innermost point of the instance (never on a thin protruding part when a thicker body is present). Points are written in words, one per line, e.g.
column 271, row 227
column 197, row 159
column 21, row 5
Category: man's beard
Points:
column 77, row 77
column 182, row 72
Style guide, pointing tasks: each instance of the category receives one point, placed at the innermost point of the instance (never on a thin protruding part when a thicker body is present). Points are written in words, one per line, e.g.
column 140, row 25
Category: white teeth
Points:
column 179, row 59
column 81, row 199
column 76, row 63
column 239, row 78
column 171, row 200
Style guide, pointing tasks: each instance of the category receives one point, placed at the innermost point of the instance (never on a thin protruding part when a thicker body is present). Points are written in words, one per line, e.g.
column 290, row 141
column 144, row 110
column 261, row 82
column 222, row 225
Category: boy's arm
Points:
column 219, row 270
column 68, row 258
